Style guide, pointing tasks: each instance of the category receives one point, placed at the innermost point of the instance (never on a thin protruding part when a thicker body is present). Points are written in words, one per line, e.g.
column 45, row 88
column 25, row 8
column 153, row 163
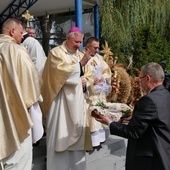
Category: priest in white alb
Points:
column 63, row 105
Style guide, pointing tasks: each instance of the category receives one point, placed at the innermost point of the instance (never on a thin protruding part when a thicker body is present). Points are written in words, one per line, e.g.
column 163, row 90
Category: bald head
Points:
column 13, row 28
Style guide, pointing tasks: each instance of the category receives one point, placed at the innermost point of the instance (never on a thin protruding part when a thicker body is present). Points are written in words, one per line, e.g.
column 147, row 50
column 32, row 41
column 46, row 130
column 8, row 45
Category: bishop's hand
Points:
column 85, row 58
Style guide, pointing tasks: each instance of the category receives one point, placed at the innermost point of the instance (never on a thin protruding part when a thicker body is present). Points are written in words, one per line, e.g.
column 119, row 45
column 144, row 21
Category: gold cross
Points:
column 27, row 16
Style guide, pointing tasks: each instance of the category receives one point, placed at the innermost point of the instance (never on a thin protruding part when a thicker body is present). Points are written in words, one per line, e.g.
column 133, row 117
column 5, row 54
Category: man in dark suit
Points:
column 148, row 131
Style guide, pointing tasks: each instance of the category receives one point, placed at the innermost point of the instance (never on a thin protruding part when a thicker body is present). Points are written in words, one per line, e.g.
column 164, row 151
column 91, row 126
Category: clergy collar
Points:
column 25, row 36
column 25, row 33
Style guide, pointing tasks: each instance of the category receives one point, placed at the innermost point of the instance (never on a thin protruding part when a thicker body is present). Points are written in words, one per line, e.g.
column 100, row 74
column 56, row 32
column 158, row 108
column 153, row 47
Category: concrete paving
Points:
column 110, row 157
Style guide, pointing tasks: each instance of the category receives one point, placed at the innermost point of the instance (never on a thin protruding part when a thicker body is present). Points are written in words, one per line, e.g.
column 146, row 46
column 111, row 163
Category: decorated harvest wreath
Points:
column 124, row 82
column 125, row 89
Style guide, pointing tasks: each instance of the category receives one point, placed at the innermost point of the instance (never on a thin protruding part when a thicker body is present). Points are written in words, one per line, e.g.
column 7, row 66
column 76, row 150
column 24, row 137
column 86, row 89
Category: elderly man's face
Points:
column 144, row 81
column 74, row 42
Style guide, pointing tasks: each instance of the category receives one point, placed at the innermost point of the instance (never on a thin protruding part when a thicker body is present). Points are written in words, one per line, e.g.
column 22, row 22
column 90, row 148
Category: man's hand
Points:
column 86, row 58
column 97, row 81
column 99, row 117
column 84, row 82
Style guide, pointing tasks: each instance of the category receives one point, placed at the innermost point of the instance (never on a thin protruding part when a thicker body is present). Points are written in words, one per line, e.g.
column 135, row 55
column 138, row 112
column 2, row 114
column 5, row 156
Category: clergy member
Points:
column 19, row 92
column 31, row 32
column 97, row 75
column 63, row 105
column 35, row 50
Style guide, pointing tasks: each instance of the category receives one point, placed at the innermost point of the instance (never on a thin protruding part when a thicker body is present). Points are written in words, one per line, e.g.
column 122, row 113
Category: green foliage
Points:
column 137, row 27
column 150, row 46
column 112, row 30
column 127, row 112
column 101, row 104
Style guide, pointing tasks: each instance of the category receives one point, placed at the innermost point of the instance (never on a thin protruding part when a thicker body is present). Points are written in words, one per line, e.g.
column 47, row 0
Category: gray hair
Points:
column 154, row 70
column 74, row 34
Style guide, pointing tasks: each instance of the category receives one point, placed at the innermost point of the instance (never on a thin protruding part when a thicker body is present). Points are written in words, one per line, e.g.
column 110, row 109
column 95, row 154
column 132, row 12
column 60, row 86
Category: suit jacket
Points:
column 148, row 132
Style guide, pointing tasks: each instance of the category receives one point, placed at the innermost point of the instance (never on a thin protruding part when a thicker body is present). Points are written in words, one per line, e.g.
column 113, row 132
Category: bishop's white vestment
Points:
column 63, row 109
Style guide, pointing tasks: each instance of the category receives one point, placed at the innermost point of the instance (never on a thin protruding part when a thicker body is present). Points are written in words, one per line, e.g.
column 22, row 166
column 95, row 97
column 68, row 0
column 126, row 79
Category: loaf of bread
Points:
column 95, row 113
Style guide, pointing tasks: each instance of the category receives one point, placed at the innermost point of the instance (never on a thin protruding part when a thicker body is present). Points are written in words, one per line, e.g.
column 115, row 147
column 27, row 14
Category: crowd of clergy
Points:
column 50, row 95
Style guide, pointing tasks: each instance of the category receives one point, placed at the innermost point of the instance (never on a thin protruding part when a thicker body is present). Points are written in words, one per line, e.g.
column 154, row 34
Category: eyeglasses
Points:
column 94, row 47
column 139, row 78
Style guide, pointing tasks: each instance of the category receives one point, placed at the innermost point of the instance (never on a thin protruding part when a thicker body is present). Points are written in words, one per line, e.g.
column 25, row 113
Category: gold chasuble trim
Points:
column 56, row 71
